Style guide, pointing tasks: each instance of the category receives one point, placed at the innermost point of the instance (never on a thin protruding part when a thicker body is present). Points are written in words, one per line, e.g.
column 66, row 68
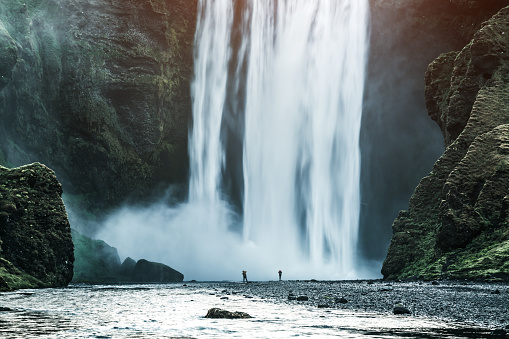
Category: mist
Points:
column 195, row 239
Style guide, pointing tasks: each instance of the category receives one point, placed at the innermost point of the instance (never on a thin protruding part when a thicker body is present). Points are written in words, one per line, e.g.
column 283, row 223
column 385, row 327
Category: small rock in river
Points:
column 400, row 309
column 219, row 313
column 302, row 298
column 341, row 300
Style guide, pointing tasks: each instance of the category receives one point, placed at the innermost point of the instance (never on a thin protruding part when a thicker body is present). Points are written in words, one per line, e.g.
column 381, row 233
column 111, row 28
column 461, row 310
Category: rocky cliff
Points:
column 98, row 262
column 36, row 249
column 406, row 36
column 457, row 222
column 99, row 91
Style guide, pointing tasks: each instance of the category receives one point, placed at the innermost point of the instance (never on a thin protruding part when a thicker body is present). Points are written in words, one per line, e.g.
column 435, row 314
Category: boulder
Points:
column 219, row 313
column 35, row 235
column 400, row 309
column 147, row 271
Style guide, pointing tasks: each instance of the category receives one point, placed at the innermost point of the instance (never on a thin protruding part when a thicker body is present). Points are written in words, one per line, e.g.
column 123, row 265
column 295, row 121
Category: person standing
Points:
column 280, row 273
column 244, row 276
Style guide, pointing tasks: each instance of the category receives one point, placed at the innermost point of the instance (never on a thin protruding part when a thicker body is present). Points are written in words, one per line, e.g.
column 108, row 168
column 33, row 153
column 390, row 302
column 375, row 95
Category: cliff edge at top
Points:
column 457, row 224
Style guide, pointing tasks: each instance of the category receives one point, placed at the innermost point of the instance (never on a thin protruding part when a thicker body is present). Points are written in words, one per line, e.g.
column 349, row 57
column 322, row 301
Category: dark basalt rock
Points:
column 457, row 224
column 35, row 235
column 147, row 271
column 98, row 262
column 219, row 313
column 127, row 267
column 400, row 309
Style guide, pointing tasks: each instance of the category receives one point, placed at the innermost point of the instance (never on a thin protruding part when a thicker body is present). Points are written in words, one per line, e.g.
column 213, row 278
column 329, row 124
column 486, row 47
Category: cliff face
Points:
column 457, row 222
column 35, row 235
column 99, row 91
column 399, row 143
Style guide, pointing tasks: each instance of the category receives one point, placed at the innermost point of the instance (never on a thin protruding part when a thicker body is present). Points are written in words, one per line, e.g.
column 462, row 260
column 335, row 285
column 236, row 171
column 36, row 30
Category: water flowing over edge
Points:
column 277, row 97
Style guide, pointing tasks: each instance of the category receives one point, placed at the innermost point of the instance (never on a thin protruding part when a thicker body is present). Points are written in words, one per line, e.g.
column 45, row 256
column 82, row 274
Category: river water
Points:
column 178, row 310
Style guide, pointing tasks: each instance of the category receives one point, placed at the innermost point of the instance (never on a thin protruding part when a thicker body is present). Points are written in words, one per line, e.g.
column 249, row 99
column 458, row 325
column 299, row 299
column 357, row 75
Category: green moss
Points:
column 15, row 278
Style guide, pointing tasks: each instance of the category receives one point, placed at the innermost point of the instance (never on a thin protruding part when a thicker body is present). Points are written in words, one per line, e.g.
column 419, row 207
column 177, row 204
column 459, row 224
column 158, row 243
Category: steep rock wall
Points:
column 99, row 91
column 457, row 222
column 406, row 36
column 36, row 249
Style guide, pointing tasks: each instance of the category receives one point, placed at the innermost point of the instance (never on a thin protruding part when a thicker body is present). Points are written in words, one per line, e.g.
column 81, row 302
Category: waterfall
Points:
column 282, row 83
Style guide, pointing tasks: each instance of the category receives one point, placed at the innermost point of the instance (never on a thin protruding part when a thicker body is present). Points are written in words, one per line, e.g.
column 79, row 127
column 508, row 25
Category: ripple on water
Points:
column 173, row 311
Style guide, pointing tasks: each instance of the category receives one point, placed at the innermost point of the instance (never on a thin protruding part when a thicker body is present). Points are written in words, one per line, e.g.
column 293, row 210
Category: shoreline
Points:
column 477, row 304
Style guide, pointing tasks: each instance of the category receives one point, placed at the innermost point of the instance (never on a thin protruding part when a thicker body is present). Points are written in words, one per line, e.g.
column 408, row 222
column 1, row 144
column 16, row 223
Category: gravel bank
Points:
column 484, row 305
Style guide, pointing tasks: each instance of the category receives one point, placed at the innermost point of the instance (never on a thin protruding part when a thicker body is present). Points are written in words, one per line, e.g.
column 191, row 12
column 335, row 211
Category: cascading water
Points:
column 300, row 66
column 274, row 147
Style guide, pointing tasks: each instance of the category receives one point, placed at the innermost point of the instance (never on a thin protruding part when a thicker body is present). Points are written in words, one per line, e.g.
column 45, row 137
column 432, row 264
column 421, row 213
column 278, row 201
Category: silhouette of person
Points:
column 280, row 273
column 244, row 276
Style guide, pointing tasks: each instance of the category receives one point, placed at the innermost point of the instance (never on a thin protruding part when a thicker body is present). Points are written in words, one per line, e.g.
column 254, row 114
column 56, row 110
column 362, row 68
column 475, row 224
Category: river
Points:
column 178, row 311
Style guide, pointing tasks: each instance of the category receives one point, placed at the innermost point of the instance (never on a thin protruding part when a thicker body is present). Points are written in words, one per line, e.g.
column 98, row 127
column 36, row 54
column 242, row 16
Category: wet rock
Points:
column 220, row 313
column 302, row 298
column 400, row 309
column 341, row 301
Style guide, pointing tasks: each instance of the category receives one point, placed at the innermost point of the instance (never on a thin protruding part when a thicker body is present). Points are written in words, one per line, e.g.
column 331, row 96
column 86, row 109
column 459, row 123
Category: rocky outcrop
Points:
column 99, row 91
column 98, row 262
column 147, row 271
column 35, row 235
column 457, row 224
column 406, row 36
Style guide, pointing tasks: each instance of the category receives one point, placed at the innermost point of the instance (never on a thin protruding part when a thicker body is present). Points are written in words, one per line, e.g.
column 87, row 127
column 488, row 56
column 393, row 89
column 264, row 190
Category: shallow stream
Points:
column 178, row 310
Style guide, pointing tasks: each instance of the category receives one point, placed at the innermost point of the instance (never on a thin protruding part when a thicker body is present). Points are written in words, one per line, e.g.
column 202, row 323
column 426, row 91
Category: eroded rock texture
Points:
column 457, row 222
column 35, row 235
column 98, row 91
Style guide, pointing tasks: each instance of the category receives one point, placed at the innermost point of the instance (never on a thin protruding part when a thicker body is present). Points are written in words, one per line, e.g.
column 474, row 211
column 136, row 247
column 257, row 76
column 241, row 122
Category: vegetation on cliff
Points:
column 98, row 91
column 457, row 224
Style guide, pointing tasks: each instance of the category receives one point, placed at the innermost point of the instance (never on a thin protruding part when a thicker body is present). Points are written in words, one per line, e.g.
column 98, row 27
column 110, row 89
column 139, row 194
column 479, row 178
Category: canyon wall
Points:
column 100, row 92
column 457, row 225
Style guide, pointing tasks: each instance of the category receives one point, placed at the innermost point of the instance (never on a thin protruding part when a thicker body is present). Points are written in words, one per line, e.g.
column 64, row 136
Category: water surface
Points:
column 178, row 310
